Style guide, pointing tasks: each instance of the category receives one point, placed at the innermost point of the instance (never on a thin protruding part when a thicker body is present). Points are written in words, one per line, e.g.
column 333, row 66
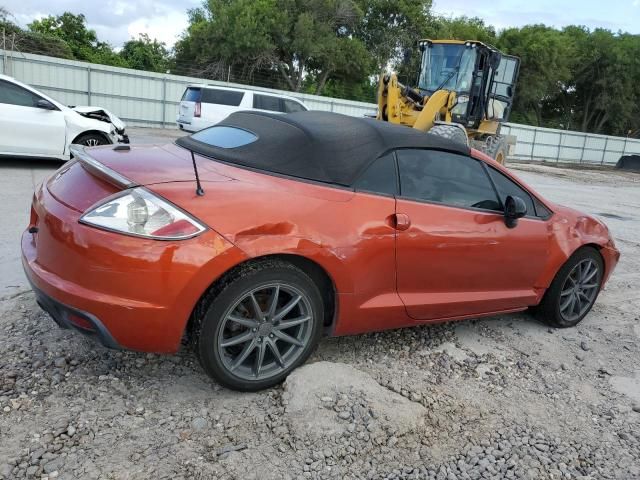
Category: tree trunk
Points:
column 286, row 76
column 323, row 81
column 601, row 122
column 300, row 75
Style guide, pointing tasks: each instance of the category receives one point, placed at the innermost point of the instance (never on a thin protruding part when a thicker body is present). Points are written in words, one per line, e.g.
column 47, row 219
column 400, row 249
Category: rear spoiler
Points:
column 79, row 153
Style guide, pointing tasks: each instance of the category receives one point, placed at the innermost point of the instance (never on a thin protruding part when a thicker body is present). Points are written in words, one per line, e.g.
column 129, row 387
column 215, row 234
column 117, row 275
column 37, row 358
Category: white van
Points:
column 205, row 105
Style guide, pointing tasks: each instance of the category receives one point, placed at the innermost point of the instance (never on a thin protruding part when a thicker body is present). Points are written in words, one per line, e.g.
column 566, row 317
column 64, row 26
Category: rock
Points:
column 53, row 465
column 199, row 423
column 231, row 448
column 71, row 430
column 344, row 415
column 585, row 346
column 580, row 357
column 60, row 362
column 636, row 407
column 308, row 384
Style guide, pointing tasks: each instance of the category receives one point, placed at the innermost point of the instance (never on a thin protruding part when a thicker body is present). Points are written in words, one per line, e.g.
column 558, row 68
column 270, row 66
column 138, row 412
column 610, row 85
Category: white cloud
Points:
column 163, row 28
column 115, row 21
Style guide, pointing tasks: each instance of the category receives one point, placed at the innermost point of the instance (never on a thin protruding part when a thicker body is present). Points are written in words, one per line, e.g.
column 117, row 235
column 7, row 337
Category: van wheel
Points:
column 259, row 324
column 573, row 291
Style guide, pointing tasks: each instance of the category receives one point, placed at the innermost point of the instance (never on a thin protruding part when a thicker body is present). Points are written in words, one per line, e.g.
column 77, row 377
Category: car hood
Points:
column 151, row 164
column 101, row 114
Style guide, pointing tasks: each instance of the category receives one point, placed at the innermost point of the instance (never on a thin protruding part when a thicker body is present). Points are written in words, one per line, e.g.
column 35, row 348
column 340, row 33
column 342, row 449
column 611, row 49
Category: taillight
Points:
column 197, row 110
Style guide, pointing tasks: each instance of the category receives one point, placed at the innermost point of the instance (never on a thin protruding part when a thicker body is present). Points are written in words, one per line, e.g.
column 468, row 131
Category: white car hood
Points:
column 83, row 110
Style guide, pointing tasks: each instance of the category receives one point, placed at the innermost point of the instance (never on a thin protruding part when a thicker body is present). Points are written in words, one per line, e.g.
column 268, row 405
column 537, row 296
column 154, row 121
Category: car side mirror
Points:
column 514, row 208
column 45, row 104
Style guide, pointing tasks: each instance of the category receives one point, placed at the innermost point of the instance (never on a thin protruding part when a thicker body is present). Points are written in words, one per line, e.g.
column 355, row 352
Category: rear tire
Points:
column 266, row 350
column 573, row 291
column 450, row 132
column 91, row 140
column 495, row 146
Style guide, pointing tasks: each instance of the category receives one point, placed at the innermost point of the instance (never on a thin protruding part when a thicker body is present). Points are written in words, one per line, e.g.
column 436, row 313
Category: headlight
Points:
column 139, row 212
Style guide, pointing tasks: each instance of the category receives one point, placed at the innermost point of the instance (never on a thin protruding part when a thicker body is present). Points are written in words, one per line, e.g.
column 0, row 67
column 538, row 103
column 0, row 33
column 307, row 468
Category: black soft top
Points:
column 319, row 146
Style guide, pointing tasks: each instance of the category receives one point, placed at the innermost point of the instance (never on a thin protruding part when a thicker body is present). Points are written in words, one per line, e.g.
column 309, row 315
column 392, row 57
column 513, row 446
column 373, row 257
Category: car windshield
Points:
column 447, row 66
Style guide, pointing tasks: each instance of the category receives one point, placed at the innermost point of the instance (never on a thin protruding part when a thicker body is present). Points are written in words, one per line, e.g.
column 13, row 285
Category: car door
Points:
column 454, row 254
column 26, row 129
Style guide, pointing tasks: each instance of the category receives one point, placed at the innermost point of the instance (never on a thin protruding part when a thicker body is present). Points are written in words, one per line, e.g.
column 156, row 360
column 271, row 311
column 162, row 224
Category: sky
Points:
column 116, row 21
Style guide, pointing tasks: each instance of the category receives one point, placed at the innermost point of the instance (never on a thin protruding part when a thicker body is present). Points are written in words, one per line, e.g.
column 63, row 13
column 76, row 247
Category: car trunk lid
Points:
column 131, row 166
column 100, row 172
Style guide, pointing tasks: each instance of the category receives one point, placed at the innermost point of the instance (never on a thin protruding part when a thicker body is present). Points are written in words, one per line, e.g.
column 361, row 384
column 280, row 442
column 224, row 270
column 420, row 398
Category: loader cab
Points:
column 482, row 77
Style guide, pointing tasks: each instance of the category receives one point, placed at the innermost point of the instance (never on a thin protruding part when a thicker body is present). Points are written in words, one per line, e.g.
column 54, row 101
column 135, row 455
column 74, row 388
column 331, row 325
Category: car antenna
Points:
column 199, row 190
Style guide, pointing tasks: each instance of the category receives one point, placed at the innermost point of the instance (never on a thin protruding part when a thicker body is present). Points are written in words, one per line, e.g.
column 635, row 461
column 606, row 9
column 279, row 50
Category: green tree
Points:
column 30, row 42
column 388, row 28
column 295, row 40
column 604, row 87
column 82, row 42
column 545, row 70
column 461, row 28
column 144, row 53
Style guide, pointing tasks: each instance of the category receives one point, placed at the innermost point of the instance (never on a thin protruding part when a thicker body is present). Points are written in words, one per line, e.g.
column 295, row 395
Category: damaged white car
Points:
column 35, row 125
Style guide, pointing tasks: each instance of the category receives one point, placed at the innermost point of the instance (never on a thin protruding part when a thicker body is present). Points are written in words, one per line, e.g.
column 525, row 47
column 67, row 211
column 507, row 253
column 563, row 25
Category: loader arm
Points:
column 405, row 106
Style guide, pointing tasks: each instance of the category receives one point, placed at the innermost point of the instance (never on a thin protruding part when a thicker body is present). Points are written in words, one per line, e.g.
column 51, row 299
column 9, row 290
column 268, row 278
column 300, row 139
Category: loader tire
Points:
column 495, row 146
column 450, row 132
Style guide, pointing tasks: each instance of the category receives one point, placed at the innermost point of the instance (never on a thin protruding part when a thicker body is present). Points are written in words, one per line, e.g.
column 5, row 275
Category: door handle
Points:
column 402, row 221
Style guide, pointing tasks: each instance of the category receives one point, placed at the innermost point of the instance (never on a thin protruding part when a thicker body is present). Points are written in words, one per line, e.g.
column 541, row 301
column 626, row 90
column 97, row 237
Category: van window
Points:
column 290, row 106
column 191, row 95
column 222, row 97
column 267, row 102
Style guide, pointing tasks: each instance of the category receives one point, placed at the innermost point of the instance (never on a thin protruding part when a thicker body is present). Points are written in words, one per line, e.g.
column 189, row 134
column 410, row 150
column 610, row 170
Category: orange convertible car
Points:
column 256, row 236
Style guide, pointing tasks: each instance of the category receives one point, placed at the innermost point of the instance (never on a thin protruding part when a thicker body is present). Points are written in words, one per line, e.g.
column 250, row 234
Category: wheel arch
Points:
column 313, row 269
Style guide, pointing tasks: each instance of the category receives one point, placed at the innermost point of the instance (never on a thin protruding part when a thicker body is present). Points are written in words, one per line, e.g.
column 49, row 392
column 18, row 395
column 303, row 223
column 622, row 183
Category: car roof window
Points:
column 225, row 137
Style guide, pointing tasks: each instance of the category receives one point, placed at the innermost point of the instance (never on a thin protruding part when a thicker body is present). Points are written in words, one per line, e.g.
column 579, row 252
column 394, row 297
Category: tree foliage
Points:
column 72, row 29
column 144, row 53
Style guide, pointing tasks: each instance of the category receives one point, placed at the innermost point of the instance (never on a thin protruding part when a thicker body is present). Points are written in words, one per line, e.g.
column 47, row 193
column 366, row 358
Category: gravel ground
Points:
column 504, row 397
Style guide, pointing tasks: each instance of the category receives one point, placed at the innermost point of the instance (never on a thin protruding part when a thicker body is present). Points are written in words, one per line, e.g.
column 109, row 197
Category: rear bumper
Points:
column 71, row 318
column 129, row 293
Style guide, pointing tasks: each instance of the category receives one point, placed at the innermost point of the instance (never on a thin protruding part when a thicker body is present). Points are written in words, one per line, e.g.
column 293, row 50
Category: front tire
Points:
column 573, row 291
column 91, row 140
column 450, row 132
column 260, row 323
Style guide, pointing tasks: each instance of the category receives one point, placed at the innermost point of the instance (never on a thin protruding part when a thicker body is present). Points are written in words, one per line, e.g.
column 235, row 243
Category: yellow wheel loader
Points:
column 464, row 92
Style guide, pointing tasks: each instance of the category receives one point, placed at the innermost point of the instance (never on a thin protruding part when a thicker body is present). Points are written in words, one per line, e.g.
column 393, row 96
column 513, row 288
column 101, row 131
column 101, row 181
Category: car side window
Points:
column 222, row 97
column 290, row 106
column 380, row 177
column 14, row 95
column 506, row 187
column 448, row 178
column 267, row 102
